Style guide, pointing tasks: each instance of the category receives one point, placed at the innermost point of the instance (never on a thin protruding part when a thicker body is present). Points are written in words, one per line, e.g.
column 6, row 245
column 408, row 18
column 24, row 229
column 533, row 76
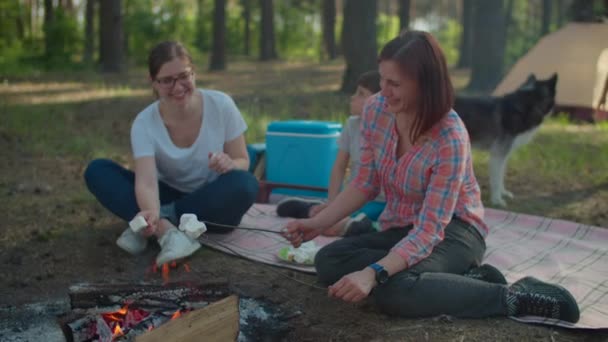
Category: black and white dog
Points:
column 501, row 124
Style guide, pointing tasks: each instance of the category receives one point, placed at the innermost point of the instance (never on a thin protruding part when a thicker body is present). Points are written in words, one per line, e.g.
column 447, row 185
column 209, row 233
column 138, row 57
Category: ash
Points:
column 32, row 322
column 261, row 321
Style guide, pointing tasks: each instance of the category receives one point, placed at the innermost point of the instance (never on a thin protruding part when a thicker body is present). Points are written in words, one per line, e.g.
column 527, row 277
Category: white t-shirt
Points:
column 350, row 142
column 187, row 169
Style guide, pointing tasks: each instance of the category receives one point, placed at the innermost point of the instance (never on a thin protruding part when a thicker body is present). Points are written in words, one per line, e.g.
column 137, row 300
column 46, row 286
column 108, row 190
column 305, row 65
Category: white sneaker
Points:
column 175, row 245
column 131, row 242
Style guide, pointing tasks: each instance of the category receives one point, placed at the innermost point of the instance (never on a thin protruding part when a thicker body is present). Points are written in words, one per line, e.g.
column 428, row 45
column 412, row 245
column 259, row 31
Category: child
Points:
column 348, row 156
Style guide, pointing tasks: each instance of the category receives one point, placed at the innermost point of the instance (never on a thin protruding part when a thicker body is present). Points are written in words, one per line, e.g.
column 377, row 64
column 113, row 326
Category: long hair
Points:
column 419, row 56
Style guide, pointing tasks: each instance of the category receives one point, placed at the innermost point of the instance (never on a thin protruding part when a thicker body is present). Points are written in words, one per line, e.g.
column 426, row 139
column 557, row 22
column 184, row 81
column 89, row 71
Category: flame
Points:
column 117, row 331
column 165, row 273
column 113, row 315
column 123, row 311
column 177, row 314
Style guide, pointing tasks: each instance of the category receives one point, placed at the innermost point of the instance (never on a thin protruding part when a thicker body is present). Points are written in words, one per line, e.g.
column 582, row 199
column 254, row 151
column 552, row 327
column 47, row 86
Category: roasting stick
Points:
column 242, row 227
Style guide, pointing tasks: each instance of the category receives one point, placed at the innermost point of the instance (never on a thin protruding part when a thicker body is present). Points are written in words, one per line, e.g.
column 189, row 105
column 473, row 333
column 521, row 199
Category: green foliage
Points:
column 523, row 32
column 149, row 22
column 298, row 29
column 449, row 38
column 65, row 38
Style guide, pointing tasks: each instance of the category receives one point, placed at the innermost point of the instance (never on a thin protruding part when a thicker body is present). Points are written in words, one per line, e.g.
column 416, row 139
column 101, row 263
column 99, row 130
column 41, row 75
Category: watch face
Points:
column 382, row 277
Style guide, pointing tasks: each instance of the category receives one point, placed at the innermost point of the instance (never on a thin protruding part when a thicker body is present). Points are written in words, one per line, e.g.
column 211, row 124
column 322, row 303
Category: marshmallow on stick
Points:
column 138, row 223
column 191, row 226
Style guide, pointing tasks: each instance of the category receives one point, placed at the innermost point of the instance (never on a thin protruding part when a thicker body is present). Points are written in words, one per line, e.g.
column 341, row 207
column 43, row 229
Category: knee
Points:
column 95, row 170
column 395, row 297
column 244, row 184
column 324, row 264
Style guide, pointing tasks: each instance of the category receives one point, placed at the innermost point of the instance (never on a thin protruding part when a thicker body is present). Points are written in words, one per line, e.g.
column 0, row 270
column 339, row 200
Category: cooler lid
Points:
column 305, row 127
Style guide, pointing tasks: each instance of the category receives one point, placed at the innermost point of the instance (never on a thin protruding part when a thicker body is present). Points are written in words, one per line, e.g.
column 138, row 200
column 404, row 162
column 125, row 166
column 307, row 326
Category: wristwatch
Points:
column 381, row 273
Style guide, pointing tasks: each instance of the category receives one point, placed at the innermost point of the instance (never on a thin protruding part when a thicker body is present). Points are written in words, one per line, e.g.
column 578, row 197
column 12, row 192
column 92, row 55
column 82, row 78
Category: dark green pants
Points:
column 432, row 287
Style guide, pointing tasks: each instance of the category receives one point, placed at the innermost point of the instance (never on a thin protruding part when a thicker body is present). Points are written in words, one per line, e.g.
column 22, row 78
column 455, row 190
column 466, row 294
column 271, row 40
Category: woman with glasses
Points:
column 190, row 157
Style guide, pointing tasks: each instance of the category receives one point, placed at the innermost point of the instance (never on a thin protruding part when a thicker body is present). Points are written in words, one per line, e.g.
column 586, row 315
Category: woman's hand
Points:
column 315, row 209
column 220, row 162
column 299, row 231
column 151, row 217
column 355, row 286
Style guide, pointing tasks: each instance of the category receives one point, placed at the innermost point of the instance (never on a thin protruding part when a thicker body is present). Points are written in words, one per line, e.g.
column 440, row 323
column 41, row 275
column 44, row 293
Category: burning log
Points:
column 172, row 295
column 120, row 312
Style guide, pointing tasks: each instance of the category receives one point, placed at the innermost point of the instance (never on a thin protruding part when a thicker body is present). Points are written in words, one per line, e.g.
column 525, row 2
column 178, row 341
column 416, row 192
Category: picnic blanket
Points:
column 571, row 254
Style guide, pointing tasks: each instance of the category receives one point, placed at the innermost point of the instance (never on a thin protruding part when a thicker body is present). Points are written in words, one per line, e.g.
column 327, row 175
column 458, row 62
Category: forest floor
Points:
column 54, row 234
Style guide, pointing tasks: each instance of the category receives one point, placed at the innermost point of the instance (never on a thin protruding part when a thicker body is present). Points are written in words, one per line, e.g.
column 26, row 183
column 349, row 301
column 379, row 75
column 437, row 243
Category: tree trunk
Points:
column 111, row 35
column 20, row 20
column 487, row 63
column 218, row 50
column 547, row 14
column 246, row 15
column 199, row 31
column 466, row 38
column 582, row 11
column 404, row 14
column 329, row 23
column 89, row 36
column 267, row 37
column 49, row 17
column 358, row 41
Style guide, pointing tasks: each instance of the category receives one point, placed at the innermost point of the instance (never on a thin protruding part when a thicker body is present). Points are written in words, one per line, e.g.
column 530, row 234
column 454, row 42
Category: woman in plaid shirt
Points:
column 425, row 260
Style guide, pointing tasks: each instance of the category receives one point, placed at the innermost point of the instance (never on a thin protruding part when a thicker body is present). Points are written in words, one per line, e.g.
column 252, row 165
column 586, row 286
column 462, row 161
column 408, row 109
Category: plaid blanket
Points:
column 570, row 254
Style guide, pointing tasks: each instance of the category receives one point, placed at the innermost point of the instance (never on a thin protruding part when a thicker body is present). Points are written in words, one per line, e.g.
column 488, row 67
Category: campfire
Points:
column 122, row 312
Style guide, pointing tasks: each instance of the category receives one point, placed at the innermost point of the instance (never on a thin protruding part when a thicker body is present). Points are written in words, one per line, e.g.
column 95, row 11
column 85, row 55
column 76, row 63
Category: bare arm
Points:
column 343, row 205
column 146, row 184
column 146, row 192
column 234, row 156
column 337, row 174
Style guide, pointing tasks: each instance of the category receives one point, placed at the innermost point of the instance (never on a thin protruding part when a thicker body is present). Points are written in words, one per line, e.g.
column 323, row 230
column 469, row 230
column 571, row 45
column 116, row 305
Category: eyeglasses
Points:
column 169, row 81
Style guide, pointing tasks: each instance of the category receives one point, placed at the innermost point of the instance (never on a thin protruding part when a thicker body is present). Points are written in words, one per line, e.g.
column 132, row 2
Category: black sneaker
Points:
column 533, row 297
column 295, row 207
column 360, row 224
column 487, row 273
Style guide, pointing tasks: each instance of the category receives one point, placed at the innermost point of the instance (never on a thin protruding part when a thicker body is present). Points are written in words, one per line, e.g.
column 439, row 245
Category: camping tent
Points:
column 578, row 52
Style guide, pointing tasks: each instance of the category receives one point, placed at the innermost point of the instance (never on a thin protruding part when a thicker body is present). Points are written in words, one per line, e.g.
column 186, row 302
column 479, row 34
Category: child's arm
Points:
column 337, row 174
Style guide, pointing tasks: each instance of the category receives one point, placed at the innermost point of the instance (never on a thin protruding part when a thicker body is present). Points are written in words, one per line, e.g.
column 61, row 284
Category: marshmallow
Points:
column 191, row 226
column 138, row 223
column 305, row 254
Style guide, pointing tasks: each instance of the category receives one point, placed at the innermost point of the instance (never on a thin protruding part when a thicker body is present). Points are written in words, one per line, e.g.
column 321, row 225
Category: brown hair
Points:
column 370, row 80
column 419, row 56
column 165, row 52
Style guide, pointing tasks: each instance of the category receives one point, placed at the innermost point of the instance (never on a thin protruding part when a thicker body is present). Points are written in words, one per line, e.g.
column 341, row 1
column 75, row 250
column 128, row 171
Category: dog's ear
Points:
column 529, row 83
column 553, row 80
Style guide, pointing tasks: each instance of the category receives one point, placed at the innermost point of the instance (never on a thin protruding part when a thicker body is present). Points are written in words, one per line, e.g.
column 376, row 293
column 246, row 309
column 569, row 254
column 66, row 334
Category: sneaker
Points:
column 532, row 297
column 296, row 207
column 487, row 273
column 358, row 225
column 132, row 242
column 175, row 245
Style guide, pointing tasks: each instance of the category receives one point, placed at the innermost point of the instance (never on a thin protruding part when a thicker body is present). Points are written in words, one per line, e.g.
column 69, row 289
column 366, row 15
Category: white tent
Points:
column 578, row 52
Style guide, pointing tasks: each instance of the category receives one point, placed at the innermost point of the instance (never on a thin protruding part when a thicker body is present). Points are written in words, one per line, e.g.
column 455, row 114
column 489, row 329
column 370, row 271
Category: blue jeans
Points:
column 432, row 287
column 222, row 201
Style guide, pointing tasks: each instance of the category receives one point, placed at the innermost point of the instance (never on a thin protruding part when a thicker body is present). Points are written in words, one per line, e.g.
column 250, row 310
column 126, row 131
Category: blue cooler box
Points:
column 302, row 153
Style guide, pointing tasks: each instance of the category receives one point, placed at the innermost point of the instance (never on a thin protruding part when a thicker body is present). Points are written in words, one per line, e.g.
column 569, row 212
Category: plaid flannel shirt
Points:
column 426, row 187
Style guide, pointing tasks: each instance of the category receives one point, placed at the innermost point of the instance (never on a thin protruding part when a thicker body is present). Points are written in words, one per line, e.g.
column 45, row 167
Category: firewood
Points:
column 85, row 296
column 218, row 321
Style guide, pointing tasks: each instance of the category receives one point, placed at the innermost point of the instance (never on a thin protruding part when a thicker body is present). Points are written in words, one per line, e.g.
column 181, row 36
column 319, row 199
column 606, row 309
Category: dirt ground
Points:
column 52, row 239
